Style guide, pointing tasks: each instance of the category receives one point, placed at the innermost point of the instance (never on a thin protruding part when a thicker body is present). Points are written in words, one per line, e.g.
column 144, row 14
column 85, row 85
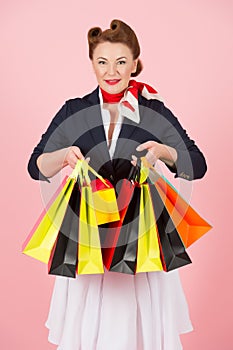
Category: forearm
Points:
column 51, row 163
column 159, row 151
column 168, row 155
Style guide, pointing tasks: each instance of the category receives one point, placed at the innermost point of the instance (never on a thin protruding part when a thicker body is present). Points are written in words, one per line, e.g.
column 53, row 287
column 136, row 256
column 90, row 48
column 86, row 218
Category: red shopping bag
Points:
column 114, row 228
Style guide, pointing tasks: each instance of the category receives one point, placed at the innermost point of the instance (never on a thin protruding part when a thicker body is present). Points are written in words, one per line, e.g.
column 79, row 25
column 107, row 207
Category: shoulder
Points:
column 159, row 107
column 73, row 105
column 76, row 104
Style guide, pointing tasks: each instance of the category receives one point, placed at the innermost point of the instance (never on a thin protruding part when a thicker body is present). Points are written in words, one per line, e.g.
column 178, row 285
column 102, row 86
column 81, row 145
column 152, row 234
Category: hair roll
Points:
column 119, row 32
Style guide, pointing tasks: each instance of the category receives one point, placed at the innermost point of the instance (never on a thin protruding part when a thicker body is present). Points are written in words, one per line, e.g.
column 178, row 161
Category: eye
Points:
column 101, row 62
column 121, row 62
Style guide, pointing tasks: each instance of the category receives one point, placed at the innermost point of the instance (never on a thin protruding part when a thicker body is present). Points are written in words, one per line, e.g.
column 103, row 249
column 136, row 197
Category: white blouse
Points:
column 106, row 123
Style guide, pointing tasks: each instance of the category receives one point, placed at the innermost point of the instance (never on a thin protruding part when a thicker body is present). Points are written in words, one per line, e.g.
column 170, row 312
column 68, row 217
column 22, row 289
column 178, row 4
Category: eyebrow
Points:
column 119, row 58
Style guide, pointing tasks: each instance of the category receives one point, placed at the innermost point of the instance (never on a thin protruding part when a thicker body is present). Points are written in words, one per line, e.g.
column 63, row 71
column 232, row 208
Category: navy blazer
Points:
column 79, row 123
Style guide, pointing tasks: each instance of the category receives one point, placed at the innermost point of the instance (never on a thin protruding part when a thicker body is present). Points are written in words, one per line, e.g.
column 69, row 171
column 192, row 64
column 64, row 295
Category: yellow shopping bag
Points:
column 104, row 201
column 42, row 237
column 89, row 248
column 148, row 254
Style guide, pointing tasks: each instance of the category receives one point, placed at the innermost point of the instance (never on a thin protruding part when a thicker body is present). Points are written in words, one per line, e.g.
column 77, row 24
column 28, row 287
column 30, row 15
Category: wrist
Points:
column 65, row 152
column 168, row 155
column 163, row 152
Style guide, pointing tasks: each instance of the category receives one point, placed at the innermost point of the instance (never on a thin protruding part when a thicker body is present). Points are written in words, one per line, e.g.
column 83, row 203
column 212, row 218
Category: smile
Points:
column 113, row 81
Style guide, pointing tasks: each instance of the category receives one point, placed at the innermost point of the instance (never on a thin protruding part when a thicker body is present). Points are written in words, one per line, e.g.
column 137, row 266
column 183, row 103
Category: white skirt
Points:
column 116, row 311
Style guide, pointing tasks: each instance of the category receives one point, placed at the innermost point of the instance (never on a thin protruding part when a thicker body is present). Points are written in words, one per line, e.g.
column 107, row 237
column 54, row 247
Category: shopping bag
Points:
column 89, row 248
column 148, row 253
column 172, row 249
column 124, row 258
column 120, row 245
column 77, row 249
column 104, row 201
column 190, row 225
column 63, row 259
column 132, row 244
column 41, row 240
column 42, row 237
column 125, row 190
column 114, row 228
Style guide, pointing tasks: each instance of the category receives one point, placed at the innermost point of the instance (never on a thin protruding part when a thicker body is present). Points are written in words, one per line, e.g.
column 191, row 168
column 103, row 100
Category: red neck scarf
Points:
column 128, row 98
column 112, row 98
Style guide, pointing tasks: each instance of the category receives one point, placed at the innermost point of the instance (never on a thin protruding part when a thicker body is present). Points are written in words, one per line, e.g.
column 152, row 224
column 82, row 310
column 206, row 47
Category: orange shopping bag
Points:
column 189, row 224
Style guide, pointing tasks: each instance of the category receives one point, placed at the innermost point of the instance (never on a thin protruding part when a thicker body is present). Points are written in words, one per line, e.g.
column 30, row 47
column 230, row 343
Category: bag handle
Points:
column 147, row 164
column 134, row 173
column 81, row 171
column 139, row 172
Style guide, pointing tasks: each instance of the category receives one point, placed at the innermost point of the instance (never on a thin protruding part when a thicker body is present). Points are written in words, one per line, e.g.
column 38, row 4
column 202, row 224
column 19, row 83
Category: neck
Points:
column 112, row 98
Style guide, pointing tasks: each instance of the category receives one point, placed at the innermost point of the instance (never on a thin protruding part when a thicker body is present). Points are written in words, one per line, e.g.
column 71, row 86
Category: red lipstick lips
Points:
column 112, row 81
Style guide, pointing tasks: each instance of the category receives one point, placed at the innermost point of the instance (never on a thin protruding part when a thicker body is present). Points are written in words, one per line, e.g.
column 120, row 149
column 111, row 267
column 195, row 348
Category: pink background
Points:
column 187, row 55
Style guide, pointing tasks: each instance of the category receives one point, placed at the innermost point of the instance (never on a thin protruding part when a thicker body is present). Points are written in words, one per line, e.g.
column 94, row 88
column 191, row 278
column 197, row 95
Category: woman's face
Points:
column 113, row 64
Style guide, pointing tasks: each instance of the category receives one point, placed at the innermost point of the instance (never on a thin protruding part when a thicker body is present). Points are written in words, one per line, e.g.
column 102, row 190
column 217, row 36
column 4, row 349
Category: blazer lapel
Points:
column 93, row 119
column 129, row 127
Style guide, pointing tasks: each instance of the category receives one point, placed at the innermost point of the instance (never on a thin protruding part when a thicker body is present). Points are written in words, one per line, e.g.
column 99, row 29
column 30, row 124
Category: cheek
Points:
column 98, row 72
column 126, row 72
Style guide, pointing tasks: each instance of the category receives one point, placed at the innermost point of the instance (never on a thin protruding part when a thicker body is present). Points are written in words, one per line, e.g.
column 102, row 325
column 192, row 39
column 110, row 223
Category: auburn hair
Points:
column 119, row 32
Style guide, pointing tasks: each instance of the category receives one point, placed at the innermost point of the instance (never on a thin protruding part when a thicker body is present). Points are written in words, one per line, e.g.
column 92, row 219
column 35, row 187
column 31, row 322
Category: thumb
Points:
column 145, row 145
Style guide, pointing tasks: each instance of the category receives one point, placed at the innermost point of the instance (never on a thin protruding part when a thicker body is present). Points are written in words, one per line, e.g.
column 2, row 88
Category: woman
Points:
column 118, row 120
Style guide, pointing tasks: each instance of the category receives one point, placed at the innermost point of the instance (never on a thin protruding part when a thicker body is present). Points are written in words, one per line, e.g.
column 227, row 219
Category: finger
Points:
column 134, row 160
column 72, row 159
column 145, row 145
column 72, row 165
column 152, row 159
column 76, row 150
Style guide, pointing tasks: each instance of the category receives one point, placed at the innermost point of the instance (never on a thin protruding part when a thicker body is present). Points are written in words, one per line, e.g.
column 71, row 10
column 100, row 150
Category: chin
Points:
column 113, row 89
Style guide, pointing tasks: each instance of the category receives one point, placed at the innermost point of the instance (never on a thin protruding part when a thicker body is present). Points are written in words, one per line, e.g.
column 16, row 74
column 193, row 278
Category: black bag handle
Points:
column 134, row 174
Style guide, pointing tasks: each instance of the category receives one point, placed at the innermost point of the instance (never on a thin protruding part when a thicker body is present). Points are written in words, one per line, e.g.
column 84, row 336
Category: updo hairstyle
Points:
column 119, row 32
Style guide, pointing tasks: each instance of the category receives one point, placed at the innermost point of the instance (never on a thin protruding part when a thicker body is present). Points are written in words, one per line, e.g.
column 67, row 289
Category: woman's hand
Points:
column 159, row 151
column 73, row 154
column 51, row 163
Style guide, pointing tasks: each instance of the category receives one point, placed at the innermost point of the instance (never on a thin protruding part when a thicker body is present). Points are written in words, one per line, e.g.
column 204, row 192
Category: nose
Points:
column 112, row 69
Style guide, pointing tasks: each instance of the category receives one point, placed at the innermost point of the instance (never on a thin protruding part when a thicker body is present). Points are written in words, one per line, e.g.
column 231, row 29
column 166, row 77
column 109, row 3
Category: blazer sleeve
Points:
column 190, row 163
column 52, row 139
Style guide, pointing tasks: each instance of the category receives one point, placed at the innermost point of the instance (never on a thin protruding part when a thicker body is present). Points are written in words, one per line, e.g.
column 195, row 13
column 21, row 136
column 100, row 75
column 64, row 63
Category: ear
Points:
column 135, row 62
